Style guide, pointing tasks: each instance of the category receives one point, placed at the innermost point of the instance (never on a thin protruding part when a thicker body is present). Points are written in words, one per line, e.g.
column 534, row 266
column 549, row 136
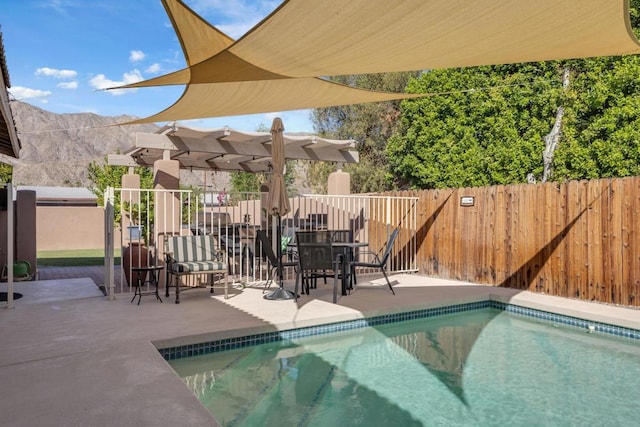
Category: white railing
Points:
column 145, row 217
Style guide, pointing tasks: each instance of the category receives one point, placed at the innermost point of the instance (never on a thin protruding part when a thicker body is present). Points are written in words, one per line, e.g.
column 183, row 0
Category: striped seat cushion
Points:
column 192, row 248
column 195, row 266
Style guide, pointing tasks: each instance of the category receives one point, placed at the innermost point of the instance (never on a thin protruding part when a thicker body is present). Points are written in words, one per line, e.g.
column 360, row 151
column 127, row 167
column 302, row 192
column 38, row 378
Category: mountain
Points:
column 57, row 148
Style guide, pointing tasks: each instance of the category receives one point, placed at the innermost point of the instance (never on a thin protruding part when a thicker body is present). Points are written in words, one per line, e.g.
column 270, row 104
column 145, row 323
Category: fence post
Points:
column 108, row 243
column 10, row 252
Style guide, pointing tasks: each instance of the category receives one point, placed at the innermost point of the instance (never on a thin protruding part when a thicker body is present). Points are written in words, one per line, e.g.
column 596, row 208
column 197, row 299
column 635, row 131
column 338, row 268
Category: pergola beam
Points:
column 225, row 149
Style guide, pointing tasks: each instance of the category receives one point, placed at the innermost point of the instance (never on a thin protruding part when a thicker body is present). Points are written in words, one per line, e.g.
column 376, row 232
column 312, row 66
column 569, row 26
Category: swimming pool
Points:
column 479, row 367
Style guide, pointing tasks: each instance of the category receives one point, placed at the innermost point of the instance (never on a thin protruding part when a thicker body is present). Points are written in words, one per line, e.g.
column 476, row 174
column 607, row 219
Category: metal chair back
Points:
column 342, row 236
column 267, row 250
column 316, row 236
column 389, row 248
column 265, row 242
column 315, row 257
column 381, row 262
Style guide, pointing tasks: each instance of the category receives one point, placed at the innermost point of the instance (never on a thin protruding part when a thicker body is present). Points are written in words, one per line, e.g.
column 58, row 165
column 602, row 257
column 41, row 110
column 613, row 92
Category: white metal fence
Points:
column 144, row 218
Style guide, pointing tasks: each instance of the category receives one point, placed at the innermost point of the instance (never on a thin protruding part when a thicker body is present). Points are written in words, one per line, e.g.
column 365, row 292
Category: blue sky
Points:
column 59, row 52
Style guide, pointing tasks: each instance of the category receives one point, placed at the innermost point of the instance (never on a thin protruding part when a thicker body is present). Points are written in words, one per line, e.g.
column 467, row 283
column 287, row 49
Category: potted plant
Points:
column 136, row 253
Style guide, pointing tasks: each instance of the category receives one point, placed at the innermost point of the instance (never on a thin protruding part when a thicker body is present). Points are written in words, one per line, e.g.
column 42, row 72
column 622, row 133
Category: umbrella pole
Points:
column 281, row 293
column 279, row 250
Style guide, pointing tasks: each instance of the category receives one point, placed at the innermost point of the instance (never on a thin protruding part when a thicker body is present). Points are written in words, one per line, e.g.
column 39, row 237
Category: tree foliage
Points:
column 106, row 175
column 6, row 173
column 602, row 129
column 494, row 134
column 247, row 182
column 486, row 125
column 482, row 126
column 368, row 124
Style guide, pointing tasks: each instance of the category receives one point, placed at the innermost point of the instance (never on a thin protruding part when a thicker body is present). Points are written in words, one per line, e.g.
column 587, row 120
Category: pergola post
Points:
column 167, row 220
column 339, row 182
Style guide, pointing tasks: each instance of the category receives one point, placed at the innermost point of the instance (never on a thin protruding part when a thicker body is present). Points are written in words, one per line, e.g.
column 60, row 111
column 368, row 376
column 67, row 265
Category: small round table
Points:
column 153, row 271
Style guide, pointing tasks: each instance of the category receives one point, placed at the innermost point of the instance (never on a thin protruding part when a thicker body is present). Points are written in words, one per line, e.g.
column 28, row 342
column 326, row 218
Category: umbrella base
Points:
column 279, row 294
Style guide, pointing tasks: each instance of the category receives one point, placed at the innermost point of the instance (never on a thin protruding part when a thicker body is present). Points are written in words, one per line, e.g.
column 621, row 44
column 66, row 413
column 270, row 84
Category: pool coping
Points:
column 550, row 311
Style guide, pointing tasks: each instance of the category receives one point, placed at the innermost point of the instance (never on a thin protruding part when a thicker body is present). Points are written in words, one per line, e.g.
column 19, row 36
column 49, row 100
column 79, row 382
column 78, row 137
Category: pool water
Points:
column 476, row 368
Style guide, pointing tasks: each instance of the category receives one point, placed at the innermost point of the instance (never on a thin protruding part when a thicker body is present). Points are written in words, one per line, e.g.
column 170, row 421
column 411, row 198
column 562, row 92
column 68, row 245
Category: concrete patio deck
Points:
column 70, row 357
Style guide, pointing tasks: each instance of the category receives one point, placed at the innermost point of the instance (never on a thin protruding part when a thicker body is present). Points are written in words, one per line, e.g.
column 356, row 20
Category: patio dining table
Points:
column 342, row 253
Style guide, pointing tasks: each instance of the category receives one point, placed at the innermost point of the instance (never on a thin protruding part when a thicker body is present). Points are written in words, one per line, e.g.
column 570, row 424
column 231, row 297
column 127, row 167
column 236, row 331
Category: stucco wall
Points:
column 74, row 227
column 24, row 229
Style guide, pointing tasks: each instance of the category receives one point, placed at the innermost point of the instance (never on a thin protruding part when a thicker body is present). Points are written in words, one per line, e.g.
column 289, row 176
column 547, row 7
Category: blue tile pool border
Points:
column 190, row 350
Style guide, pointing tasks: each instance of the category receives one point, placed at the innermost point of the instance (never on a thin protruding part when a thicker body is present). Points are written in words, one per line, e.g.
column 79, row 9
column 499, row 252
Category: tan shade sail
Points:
column 259, row 91
column 198, row 38
column 239, row 98
column 225, row 149
column 337, row 37
column 276, row 65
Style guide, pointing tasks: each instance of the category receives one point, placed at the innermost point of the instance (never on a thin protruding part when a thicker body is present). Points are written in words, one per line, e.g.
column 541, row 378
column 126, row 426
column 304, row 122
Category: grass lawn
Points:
column 74, row 258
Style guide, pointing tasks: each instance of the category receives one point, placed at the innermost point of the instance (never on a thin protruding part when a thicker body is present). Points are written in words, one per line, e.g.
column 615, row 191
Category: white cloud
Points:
column 153, row 69
column 22, row 93
column 68, row 85
column 136, row 55
column 59, row 6
column 132, row 76
column 236, row 30
column 102, row 82
column 57, row 74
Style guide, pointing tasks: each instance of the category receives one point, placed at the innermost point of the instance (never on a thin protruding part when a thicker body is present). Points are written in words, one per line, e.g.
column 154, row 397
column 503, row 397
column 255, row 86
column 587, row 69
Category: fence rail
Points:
column 580, row 239
column 147, row 216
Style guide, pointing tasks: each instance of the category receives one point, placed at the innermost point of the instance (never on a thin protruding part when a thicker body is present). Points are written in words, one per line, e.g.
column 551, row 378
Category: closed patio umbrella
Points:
column 278, row 200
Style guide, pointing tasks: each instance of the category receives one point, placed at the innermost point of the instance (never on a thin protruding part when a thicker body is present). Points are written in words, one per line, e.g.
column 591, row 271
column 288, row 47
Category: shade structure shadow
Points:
column 525, row 276
column 4, row 296
column 407, row 251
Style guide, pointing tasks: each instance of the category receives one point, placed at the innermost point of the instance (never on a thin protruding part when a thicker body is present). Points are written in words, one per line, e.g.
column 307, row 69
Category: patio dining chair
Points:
column 315, row 260
column 267, row 250
column 380, row 262
column 315, row 236
column 310, row 278
column 345, row 236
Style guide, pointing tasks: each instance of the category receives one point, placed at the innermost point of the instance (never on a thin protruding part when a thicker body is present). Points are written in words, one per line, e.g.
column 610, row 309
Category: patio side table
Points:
column 153, row 274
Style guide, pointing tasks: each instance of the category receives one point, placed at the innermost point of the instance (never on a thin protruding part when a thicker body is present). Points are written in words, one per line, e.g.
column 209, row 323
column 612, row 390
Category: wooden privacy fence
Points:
column 580, row 239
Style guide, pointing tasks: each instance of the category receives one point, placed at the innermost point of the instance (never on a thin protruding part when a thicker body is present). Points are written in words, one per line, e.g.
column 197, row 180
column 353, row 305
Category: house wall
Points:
column 73, row 227
column 26, row 228
column 24, row 247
